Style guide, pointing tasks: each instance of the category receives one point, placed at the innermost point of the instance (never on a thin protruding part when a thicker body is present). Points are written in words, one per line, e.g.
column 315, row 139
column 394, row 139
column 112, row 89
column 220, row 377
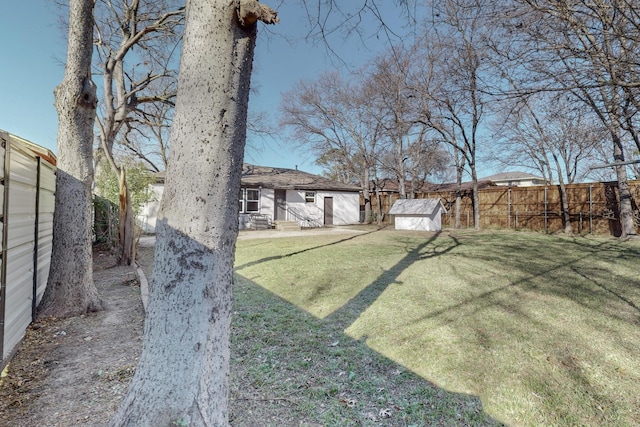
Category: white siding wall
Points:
column 149, row 212
column 346, row 206
column 267, row 202
column 417, row 222
column 306, row 214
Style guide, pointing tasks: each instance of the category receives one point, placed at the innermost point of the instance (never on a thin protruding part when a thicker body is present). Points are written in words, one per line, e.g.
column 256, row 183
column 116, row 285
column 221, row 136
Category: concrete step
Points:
column 260, row 224
column 287, row 225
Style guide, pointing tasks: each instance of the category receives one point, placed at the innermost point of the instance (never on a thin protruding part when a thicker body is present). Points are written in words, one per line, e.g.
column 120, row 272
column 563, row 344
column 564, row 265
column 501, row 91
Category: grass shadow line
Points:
column 348, row 313
column 277, row 257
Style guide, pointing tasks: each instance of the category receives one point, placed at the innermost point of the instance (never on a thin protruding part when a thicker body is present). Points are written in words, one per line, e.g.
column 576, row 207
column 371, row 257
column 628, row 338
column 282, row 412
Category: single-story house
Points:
column 418, row 214
column 280, row 194
column 516, row 179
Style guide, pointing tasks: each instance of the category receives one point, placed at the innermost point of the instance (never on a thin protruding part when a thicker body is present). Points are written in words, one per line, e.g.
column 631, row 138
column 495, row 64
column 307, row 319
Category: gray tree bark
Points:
column 366, row 195
column 564, row 200
column 70, row 288
column 182, row 375
column 627, row 224
column 476, row 197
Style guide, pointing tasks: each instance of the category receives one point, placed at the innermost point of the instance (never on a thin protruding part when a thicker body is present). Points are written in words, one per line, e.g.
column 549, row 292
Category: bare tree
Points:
column 144, row 33
column 182, row 375
column 389, row 77
column 451, row 83
column 589, row 49
column 425, row 159
column 147, row 135
column 335, row 119
column 552, row 135
column 70, row 289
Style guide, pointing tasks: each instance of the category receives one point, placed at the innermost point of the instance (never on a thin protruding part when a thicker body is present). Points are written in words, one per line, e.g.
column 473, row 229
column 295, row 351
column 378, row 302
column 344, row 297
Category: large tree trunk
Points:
column 566, row 216
column 459, row 171
column 564, row 201
column 126, row 234
column 626, row 208
column 378, row 207
column 182, row 375
column 366, row 195
column 70, row 288
column 476, row 198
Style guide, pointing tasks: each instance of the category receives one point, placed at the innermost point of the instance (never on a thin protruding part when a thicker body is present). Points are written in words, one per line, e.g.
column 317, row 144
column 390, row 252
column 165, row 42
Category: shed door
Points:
column 281, row 205
column 328, row 211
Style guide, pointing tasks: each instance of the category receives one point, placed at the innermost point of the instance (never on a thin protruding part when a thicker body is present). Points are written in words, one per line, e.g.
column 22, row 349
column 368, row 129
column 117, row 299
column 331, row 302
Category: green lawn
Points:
column 544, row 329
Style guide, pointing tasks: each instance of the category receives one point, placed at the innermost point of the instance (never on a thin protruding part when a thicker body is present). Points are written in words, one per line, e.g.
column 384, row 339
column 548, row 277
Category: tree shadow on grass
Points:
column 555, row 264
column 290, row 366
column 503, row 315
column 544, row 270
column 351, row 311
column 277, row 257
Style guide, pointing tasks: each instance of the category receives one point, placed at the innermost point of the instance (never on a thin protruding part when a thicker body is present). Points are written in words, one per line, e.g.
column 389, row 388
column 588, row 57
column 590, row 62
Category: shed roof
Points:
column 416, row 207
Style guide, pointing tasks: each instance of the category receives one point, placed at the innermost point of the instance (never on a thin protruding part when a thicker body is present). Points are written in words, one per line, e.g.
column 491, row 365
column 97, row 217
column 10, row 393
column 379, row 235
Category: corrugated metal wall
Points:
column 28, row 189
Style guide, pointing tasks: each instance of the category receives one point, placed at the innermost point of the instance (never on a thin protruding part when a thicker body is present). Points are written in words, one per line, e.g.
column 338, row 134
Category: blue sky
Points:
column 34, row 48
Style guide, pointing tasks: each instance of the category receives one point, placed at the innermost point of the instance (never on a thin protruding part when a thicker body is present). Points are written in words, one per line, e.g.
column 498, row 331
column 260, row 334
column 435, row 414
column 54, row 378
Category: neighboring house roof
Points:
column 416, row 207
column 452, row 186
column 284, row 179
column 289, row 179
column 512, row 176
column 387, row 185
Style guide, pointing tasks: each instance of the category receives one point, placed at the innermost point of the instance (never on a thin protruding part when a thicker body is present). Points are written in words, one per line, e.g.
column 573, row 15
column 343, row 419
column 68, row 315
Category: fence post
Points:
column 34, row 290
column 509, row 208
column 580, row 226
column 590, row 210
column 468, row 224
column 545, row 210
column 516, row 225
column 6, row 144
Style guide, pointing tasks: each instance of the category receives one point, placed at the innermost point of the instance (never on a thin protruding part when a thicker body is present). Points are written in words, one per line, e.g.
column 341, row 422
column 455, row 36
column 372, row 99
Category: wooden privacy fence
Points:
column 27, row 188
column 593, row 207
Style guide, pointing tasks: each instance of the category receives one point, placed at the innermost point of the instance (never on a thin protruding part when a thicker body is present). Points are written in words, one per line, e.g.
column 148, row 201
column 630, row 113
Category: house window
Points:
column 310, row 196
column 249, row 200
column 253, row 200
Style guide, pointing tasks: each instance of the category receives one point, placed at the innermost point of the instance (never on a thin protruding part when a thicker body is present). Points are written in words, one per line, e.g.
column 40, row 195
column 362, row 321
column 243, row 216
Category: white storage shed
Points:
column 418, row 214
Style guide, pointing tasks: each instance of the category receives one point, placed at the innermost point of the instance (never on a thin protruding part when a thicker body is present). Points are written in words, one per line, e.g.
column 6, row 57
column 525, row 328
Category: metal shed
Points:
column 418, row 214
column 27, row 186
